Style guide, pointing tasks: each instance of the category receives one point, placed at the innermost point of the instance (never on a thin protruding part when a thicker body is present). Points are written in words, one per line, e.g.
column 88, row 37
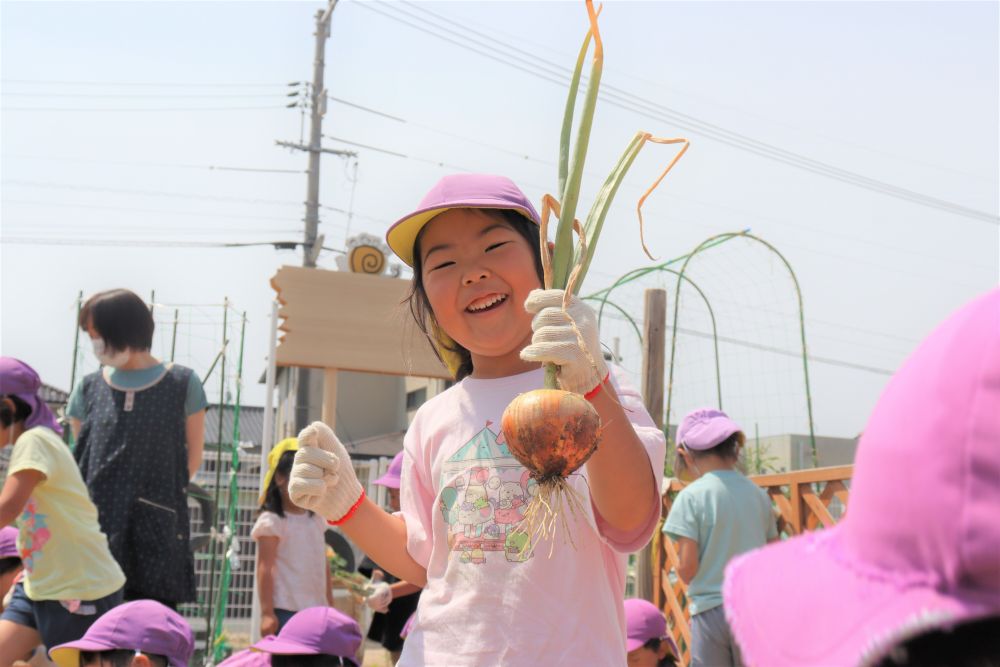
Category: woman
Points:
column 140, row 427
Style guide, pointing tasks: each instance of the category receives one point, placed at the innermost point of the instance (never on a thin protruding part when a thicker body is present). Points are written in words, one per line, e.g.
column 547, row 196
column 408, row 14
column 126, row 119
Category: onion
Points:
column 552, row 433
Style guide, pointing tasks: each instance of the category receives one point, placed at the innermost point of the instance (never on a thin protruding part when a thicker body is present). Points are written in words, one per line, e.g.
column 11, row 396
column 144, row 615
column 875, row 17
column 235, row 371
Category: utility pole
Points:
column 654, row 342
column 312, row 242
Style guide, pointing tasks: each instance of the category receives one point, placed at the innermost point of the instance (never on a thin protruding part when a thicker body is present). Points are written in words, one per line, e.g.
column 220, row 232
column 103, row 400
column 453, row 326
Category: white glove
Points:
column 581, row 368
column 323, row 478
column 380, row 598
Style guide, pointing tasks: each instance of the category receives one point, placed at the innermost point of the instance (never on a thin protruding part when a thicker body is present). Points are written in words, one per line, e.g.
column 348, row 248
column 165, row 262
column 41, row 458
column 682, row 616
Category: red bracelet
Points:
column 351, row 512
column 593, row 392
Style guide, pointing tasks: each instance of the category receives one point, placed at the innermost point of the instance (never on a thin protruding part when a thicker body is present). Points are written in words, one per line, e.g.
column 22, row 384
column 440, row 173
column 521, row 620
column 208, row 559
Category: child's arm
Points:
column 267, row 554
column 16, row 491
column 622, row 483
column 323, row 480
column 329, row 583
column 383, row 537
column 401, row 589
column 688, row 552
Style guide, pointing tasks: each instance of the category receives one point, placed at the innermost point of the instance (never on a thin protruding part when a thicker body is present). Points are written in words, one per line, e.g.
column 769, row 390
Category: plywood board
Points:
column 349, row 321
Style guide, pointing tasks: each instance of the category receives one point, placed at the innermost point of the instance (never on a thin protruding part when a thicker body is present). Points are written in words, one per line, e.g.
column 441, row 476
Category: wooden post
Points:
column 654, row 342
column 329, row 414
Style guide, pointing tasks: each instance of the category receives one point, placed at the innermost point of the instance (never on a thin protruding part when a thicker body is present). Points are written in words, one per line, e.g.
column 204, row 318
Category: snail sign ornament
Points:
column 366, row 254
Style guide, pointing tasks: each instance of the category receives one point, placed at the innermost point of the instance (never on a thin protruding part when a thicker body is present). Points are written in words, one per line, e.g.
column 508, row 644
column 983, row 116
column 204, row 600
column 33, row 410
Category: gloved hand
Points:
column 380, row 598
column 581, row 367
column 323, row 478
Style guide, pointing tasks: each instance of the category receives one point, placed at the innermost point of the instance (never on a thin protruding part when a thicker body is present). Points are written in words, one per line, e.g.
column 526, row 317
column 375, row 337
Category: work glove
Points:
column 323, row 478
column 380, row 597
column 567, row 338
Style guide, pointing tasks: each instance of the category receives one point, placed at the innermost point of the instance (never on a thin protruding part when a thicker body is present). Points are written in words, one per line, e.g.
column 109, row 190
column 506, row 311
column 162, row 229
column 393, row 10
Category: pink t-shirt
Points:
column 462, row 496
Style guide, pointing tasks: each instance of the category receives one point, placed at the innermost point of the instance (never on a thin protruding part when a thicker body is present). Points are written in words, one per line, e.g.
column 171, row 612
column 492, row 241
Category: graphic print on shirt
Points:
column 35, row 531
column 484, row 494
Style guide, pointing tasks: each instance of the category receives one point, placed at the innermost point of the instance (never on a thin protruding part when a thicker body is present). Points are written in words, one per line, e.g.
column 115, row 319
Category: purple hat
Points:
column 920, row 546
column 457, row 191
column 643, row 621
column 8, row 542
column 143, row 625
column 19, row 379
column 247, row 658
column 705, row 428
column 315, row 631
column 392, row 476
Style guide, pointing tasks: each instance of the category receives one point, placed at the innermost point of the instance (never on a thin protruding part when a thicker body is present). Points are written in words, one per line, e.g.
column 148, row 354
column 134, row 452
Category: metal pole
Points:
column 76, row 353
column 267, row 442
column 173, row 338
column 218, row 478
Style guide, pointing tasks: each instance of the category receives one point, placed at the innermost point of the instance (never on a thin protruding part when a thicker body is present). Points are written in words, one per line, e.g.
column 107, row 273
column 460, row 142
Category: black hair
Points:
column 119, row 658
column 420, row 307
column 670, row 660
column 20, row 412
column 727, row 449
column 310, row 661
column 122, row 319
column 272, row 497
column 970, row 644
column 9, row 564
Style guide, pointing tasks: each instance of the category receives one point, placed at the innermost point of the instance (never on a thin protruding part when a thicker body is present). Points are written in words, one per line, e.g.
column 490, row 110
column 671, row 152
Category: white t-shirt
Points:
column 300, row 567
column 462, row 496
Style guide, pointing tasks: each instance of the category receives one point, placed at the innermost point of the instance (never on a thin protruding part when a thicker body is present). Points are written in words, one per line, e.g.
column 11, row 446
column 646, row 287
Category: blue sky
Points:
column 904, row 93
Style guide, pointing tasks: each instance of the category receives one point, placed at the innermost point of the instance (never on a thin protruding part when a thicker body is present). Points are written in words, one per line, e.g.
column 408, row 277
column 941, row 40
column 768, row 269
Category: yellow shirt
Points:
column 65, row 554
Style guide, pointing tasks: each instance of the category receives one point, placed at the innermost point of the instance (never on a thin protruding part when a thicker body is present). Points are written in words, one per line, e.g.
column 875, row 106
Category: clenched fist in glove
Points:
column 380, row 598
column 323, row 478
column 577, row 351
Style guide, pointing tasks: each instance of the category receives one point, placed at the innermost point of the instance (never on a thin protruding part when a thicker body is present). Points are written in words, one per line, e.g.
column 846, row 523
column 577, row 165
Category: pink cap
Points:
column 643, row 621
column 315, row 631
column 8, row 542
column 919, row 546
column 705, row 428
column 391, row 478
column 142, row 625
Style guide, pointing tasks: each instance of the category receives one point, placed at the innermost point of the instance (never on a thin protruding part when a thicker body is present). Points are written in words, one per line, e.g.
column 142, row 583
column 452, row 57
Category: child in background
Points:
column 911, row 574
column 292, row 571
column 393, row 601
column 317, row 637
column 474, row 246
column 70, row 576
column 143, row 633
column 647, row 641
column 10, row 562
column 718, row 516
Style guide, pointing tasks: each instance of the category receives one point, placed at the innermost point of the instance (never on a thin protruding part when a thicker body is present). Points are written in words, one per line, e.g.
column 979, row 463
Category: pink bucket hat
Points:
column 457, row 191
column 705, row 428
column 643, row 621
column 392, row 477
column 920, row 545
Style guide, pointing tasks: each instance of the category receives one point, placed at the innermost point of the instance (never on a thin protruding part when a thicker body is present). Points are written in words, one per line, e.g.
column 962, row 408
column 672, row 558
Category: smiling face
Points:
column 477, row 271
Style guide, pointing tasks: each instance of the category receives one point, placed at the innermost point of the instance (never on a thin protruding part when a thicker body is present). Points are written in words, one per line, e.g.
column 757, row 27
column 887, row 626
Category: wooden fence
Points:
column 803, row 500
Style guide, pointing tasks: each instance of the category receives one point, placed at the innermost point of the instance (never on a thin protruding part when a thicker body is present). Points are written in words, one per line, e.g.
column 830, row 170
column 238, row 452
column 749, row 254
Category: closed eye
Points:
column 442, row 265
column 496, row 245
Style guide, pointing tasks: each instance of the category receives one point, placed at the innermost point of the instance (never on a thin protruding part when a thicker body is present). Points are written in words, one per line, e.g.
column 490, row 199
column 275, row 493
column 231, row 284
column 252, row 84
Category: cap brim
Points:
column 388, row 481
column 402, row 236
column 68, row 655
column 826, row 609
column 285, row 646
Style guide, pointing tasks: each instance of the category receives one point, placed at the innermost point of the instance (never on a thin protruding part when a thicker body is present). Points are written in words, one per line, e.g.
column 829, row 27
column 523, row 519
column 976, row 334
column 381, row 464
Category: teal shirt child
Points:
column 726, row 514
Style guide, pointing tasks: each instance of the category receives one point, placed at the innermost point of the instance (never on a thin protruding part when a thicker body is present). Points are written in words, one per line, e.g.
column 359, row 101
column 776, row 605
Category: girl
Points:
column 315, row 637
column 139, row 425
column 647, row 641
column 473, row 244
column 292, row 572
column 718, row 516
column 70, row 577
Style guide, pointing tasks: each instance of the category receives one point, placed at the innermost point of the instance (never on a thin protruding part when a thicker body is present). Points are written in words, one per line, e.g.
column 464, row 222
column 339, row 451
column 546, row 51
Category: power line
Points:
column 145, row 96
column 129, row 163
column 149, row 193
column 535, row 66
column 127, row 209
column 164, row 84
column 278, row 245
column 152, row 109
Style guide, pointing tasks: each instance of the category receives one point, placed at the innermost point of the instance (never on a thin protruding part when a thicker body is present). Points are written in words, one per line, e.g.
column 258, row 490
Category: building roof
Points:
column 251, row 424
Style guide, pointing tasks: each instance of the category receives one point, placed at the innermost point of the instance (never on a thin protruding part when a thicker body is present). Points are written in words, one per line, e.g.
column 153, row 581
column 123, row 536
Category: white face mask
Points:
column 113, row 359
